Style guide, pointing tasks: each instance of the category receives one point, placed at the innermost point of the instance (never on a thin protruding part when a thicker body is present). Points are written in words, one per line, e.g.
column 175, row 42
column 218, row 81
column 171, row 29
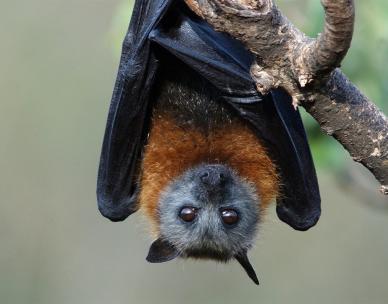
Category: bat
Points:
column 191, row 143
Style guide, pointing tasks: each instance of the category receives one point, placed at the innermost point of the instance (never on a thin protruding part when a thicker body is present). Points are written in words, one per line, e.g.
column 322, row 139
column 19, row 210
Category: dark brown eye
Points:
column 188, row 214
column 229, row 216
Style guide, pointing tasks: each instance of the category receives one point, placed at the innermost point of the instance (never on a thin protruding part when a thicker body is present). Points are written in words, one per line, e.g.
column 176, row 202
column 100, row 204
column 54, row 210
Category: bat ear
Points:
column 242, row 258
column 161, row 251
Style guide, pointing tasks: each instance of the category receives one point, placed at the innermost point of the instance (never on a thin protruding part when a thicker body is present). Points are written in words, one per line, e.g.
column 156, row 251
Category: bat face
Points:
column 209, row 212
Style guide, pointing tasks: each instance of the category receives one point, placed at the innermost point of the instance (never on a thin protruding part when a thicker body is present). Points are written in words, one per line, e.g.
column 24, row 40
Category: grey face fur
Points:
column 210, row 189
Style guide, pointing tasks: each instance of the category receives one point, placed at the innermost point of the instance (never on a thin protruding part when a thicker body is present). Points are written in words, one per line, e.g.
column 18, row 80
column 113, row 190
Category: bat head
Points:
column 208, row 212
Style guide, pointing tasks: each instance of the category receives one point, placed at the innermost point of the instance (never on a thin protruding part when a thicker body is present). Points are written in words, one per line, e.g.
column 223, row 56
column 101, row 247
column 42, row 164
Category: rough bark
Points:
column 308, row 70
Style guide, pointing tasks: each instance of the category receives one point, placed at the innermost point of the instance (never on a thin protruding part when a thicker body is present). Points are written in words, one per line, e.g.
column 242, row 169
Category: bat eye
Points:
column 188, row 214
column 229, row 216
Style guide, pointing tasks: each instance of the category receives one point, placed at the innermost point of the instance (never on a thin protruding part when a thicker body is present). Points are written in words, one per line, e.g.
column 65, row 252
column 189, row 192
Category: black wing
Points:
column 128, row 114
column 225, row 63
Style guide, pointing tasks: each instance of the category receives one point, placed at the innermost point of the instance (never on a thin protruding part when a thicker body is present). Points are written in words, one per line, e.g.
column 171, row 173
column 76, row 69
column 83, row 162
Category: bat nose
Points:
column 214, row 176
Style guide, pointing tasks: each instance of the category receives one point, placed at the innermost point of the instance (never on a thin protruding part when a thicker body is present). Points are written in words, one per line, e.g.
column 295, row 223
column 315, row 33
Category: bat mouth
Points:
column 163, row 251
column 208, row 254
column 241, row 258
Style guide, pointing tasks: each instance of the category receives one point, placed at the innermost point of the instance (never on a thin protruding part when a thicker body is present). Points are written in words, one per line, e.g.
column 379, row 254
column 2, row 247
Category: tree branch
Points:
column 329, row 49
column 307, row 69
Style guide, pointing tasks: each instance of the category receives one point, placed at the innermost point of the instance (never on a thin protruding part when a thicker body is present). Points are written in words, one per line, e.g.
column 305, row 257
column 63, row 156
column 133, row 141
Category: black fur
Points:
column 190, row 99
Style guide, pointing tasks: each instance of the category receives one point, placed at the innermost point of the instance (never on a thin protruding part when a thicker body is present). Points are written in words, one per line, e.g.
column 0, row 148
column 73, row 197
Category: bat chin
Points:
column 241, row 258
column 206, row 254
column 162, row 251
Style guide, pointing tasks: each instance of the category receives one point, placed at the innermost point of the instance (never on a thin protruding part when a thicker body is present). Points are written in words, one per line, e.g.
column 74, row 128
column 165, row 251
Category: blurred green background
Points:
column 58, row 64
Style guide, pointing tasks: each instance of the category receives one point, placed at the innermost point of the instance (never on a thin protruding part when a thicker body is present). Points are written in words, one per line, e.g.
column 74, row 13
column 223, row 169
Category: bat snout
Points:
column 213, row 176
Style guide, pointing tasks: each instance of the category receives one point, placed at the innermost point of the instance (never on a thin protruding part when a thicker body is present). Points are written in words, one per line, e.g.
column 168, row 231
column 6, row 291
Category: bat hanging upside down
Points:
column 191, row 143
column 203, row 198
